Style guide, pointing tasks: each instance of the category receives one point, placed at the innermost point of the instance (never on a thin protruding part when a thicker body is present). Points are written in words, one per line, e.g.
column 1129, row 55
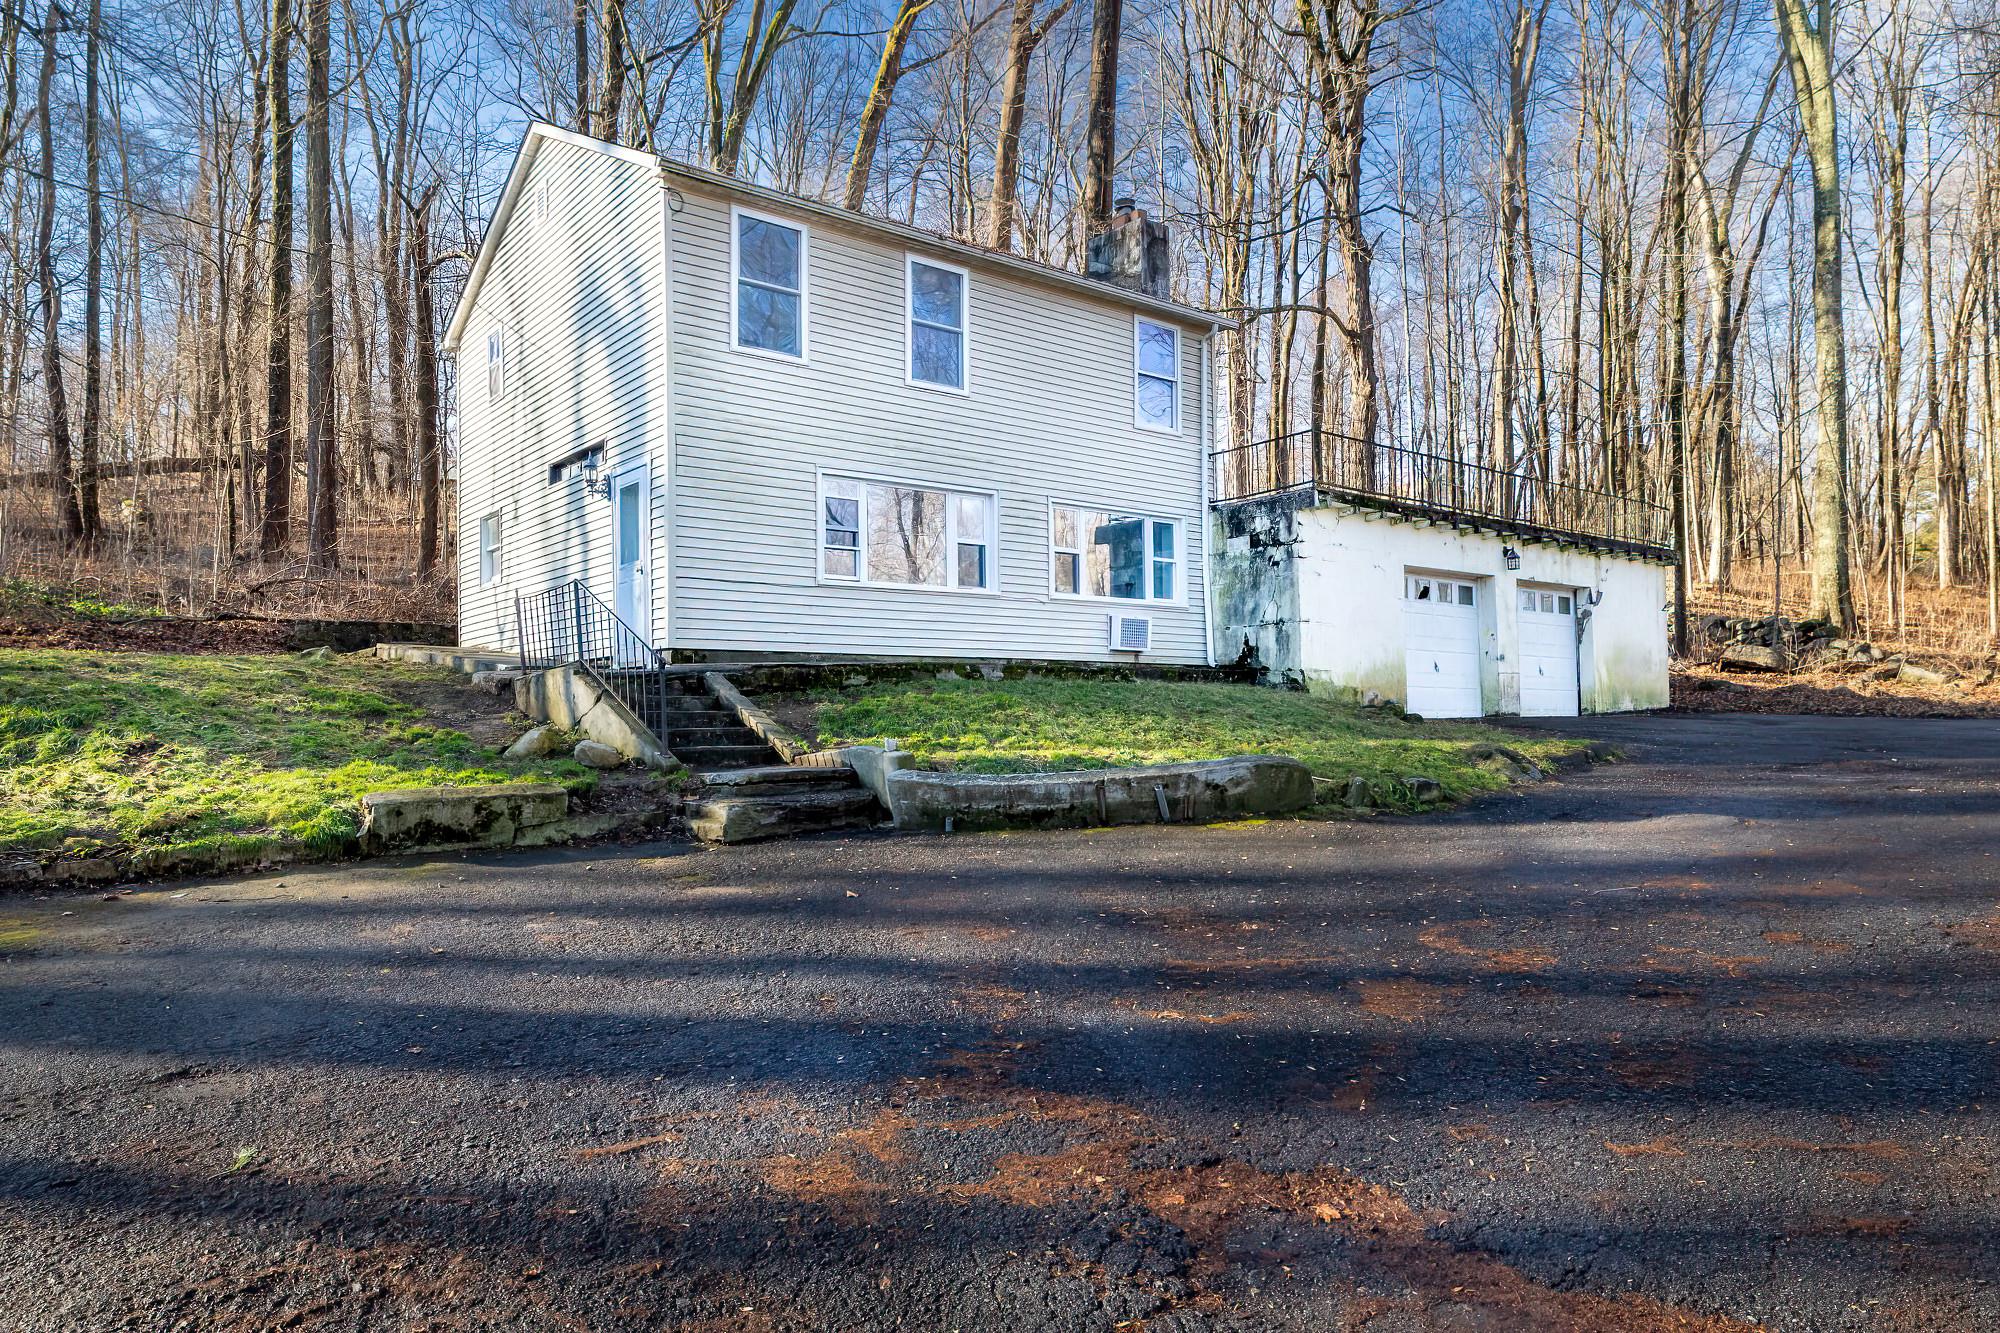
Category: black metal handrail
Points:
column 1438, row 486
column 569, row 625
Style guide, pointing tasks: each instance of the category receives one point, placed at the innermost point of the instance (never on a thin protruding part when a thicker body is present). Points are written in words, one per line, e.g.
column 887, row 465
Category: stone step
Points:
column 725, row 756
column 751, row 818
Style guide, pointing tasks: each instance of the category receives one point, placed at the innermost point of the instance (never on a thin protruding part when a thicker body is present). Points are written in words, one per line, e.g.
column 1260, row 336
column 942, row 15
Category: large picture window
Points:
column 769, row 258
column 884, row 533
column 1156, row 390
column 1099, row 553
column 937, row 324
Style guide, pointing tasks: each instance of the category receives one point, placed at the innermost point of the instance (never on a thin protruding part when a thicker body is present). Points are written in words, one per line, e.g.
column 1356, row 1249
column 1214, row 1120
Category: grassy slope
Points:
column 159, row 754
column 1019, row 726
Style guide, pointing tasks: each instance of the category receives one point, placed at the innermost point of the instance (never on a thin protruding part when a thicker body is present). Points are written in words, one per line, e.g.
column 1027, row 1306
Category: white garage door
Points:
column 1548, row 652
column 1441, row 646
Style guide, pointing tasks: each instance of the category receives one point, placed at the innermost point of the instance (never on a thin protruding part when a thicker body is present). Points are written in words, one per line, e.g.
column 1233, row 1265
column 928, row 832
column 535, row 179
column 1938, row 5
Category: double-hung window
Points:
column 937, row 307
column 918, row 536
column 769, row 258
column 496, row 365
column 1157, row 381
column 489, row 549
column 1099, row 553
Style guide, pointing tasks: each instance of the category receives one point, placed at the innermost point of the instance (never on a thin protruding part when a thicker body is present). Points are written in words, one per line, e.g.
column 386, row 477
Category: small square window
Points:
column 1549, row 602
column 1562, row 606
column 1465, row 594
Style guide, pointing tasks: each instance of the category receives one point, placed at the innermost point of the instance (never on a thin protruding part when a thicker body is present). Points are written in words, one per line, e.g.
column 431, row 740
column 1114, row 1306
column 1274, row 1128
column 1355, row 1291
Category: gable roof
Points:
column 972, row 256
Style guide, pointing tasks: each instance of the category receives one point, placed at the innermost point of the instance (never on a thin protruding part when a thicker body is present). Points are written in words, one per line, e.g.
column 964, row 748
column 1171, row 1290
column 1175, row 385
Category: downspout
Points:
column 662, row 591
column 1207, row 439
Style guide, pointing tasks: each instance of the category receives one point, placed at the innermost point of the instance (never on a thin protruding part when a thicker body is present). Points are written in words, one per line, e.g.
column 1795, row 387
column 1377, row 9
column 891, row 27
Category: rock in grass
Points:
column 319, row 654
column 1359, row 794
column 535, row 743
column 1425, row 791
column 596, row 754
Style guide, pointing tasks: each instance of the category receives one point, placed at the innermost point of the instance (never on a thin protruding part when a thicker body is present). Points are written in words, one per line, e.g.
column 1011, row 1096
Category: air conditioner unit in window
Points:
column 1131, row 634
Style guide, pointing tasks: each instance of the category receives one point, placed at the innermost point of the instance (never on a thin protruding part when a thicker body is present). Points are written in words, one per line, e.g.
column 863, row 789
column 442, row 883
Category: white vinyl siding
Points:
column 1052, row 403
column 578, row 284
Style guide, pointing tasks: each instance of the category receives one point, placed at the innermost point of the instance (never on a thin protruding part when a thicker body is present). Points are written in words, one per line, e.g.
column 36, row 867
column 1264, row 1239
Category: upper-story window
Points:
column 1098, row 553
column 937, row 307
column 1156, row 392
column 769, row 258
column 922, row 536
column 496, row 365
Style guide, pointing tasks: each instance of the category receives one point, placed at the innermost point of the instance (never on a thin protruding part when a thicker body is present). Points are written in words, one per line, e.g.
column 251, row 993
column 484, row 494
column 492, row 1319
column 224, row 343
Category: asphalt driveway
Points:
column 1705, row 1040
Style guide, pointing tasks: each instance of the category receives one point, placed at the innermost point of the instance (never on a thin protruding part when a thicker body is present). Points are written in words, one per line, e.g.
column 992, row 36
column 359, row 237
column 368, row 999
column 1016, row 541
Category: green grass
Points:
column 1027, row 726
column 175, row 758
column 20, row 596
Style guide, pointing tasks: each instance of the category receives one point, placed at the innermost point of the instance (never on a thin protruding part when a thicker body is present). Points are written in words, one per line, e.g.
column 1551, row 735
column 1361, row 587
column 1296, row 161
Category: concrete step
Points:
column 725, row 756
column 774, row 780
column 709, row 735
column 731, row 819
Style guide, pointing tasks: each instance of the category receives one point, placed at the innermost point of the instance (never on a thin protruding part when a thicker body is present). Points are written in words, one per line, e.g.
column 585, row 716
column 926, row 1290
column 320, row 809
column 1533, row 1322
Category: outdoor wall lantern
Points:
column 1511, row 556
column 593, row 484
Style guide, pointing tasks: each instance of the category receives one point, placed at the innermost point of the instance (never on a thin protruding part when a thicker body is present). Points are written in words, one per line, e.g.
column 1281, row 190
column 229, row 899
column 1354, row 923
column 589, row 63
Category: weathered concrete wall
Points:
column 568, row 697
column 1255, row 584
column 1189, row 793
column 1351, row 565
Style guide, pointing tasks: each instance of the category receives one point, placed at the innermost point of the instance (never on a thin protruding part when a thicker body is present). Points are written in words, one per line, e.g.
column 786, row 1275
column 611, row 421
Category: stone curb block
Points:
column 423, row 819
column 1188, row 793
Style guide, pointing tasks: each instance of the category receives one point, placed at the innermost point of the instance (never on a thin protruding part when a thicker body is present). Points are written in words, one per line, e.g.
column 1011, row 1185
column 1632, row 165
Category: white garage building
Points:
column 1447, row 587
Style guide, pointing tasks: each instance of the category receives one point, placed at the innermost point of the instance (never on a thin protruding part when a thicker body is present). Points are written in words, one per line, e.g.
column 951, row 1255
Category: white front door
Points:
column 633, row 601
column 1548, row 652
column 1441, row 646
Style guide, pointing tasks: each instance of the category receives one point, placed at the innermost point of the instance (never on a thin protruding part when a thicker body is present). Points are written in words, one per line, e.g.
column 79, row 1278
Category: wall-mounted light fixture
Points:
column 1511, row 556
column 593, row 483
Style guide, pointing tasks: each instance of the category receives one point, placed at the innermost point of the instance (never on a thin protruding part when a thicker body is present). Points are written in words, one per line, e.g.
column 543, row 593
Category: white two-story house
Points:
column 760, row 426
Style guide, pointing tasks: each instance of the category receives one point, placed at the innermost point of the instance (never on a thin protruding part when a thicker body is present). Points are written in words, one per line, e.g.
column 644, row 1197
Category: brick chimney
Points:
column 1131, row 251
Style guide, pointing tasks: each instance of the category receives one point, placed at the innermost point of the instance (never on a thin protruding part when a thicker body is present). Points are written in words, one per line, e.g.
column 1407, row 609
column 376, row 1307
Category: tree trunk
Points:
column 277, row 529
column 90, row 442
column 69, row 516
column 425, row 368
column 322, row 525
column 1808, row 45
column 1101, row 142
column 876, row 109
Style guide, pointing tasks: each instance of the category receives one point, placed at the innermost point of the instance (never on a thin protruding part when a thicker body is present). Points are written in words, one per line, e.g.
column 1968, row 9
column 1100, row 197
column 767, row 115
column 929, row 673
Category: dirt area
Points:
column 1696, row 1042
column 1842, row 691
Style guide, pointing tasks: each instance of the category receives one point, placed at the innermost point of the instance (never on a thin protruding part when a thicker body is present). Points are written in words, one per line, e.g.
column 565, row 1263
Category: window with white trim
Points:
column 937, row 303
column 489, row 549
column 918, row 536
column 1156, row 387
column 1097, row 553
column 1444, row 592
column 1540, row 599
column 496, row 365
column 769, row 260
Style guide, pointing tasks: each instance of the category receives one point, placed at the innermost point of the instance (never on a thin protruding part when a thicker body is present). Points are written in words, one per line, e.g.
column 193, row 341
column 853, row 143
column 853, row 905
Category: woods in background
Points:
column 1734, row 258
